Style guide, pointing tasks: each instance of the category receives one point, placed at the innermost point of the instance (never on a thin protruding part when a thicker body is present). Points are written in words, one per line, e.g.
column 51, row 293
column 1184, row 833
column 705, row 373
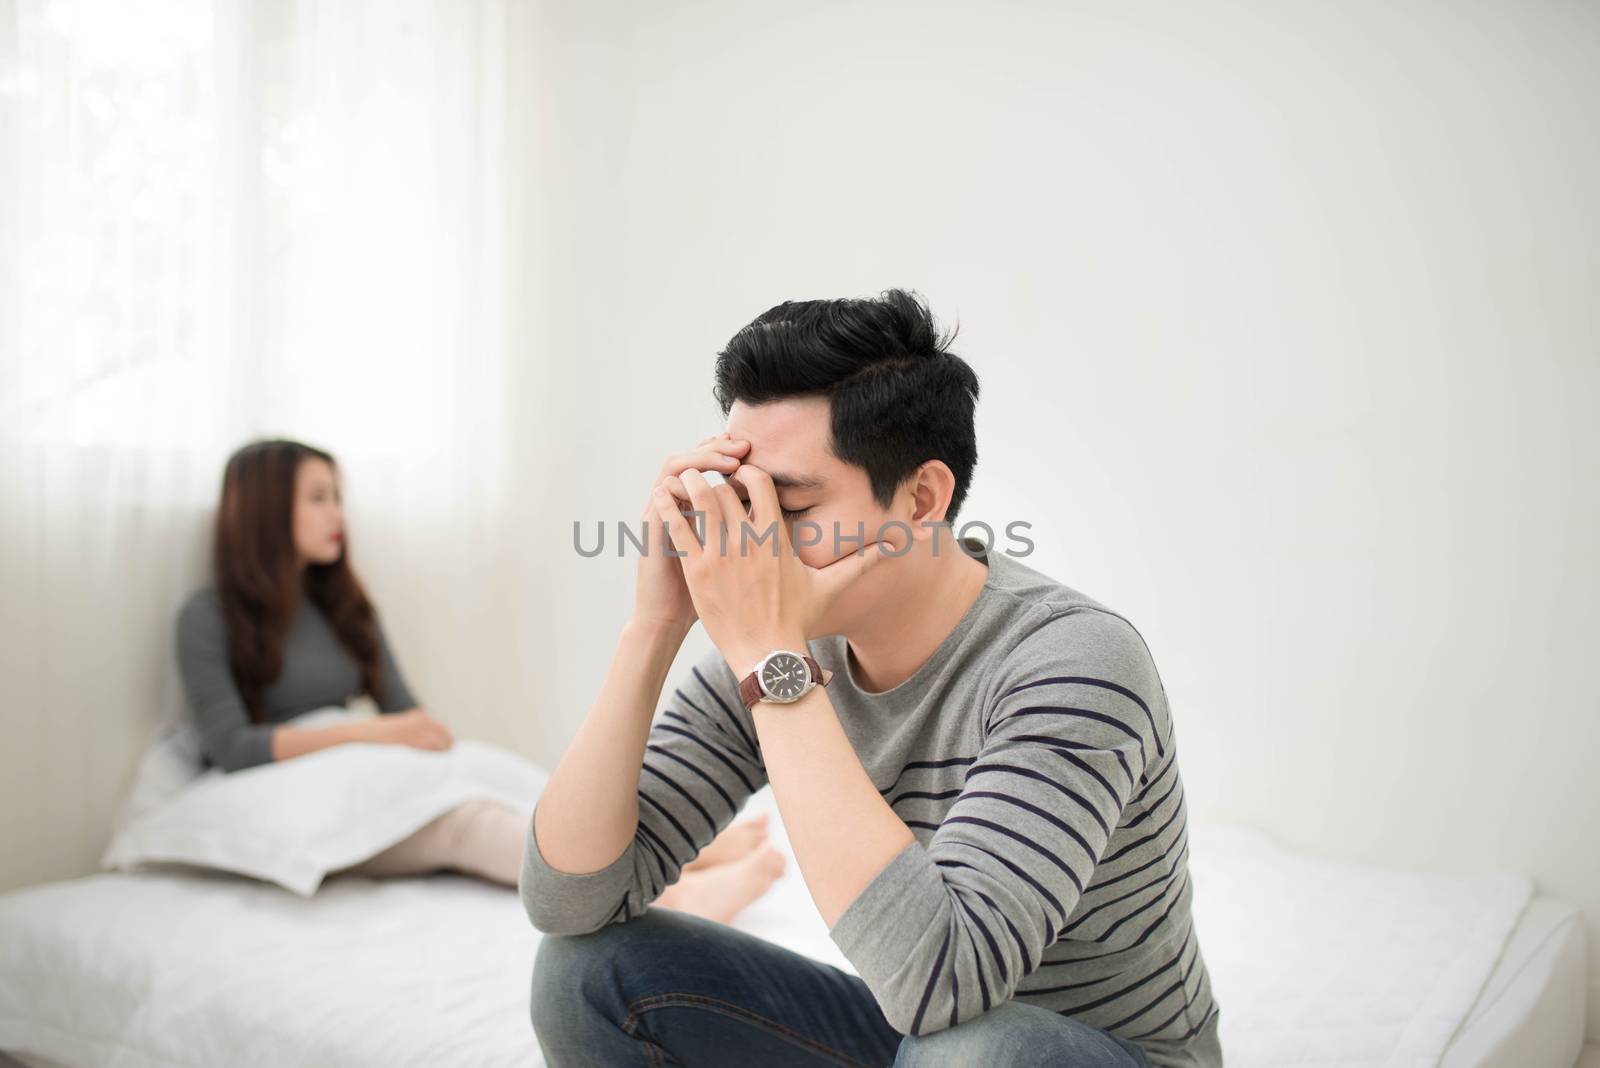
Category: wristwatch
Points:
column 782, row 677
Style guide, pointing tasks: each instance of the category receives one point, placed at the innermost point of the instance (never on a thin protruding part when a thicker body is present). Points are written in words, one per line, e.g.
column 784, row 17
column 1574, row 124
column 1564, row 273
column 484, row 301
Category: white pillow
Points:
column 293, row 821
column 171, row 760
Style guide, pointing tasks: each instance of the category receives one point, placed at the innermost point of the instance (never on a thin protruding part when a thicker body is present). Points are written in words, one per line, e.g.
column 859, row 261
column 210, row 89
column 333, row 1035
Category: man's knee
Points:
column 565, row 970
column 1012, row 1033
column 581, row 988
column 1016, row 1034
column 585, row 973
column 992, row 1038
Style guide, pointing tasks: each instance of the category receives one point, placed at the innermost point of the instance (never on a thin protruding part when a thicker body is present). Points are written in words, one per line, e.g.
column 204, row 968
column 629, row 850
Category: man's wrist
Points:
column 744, row 659
column 657, row 630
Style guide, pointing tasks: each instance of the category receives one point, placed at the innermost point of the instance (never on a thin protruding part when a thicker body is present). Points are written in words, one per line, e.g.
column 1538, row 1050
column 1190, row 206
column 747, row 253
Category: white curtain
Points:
column 220, row 221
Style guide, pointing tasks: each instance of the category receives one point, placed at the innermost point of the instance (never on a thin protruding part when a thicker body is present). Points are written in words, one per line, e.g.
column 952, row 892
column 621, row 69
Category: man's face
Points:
column 789, row 439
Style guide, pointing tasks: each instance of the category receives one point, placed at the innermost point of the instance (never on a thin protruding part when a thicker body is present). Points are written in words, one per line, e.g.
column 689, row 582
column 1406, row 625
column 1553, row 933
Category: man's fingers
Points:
column 733, row 509
column 759, row 491
column 722, row 456
column 674, row 485
column 678, row 530
column 680, row 493
column 704, row 500
column 705, row 459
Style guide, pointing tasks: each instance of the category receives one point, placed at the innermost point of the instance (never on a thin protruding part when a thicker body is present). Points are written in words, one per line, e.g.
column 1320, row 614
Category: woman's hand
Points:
column 660, row 595
column 413, row 727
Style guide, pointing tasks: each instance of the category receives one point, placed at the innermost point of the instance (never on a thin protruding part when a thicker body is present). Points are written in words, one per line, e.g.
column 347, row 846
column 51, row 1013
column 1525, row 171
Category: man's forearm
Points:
column 820, row 787
column 589, row 810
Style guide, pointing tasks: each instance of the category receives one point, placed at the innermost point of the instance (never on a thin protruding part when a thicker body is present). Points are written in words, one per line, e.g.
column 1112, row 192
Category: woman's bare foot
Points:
column 735, row 841
column 722, row 892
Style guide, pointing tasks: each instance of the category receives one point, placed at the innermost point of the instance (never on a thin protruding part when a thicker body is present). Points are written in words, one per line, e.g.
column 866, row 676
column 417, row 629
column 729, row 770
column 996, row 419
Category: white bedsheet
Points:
column 142, row 969
column 1321, row 963
column 1313, row 963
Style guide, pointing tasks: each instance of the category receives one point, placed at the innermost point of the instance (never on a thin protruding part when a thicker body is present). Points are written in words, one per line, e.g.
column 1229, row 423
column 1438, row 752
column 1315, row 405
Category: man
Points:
column 977, row 768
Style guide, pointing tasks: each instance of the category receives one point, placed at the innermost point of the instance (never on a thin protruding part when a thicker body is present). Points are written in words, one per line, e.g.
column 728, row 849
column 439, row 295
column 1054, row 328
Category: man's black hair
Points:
column 898, row 396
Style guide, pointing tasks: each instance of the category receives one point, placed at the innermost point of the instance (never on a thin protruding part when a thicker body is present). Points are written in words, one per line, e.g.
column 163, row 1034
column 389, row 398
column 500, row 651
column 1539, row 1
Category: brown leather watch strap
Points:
column 750, row 686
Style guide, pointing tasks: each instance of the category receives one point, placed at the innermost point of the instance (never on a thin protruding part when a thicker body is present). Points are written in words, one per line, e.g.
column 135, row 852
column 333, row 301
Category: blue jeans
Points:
column 671, row 988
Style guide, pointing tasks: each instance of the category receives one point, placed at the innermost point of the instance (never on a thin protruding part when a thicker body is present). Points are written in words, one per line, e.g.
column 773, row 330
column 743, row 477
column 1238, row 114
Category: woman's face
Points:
column 318, row 512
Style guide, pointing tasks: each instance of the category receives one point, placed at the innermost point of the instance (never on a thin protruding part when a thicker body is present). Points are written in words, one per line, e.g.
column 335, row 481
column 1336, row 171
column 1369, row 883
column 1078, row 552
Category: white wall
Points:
column 1286, row 321
column 1284, row 314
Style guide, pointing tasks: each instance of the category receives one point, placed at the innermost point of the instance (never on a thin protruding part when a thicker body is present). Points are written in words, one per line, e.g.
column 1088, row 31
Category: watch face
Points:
column 784, row 676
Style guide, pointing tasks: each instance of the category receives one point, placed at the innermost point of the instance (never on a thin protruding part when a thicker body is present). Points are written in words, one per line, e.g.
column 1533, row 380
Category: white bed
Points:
column 186, row 969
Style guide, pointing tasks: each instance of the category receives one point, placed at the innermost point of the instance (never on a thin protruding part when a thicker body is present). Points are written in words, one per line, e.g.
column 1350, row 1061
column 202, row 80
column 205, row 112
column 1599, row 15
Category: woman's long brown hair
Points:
column 258, row 575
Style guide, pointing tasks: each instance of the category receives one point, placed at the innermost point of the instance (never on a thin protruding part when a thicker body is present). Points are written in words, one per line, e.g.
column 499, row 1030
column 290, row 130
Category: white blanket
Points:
column 292, row 822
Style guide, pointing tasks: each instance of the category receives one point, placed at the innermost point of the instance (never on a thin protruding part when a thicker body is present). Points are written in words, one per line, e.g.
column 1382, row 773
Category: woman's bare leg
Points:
column 721, row 892
column 734, row 842
column 481, row 837
column 486, row 839
column 418, row 853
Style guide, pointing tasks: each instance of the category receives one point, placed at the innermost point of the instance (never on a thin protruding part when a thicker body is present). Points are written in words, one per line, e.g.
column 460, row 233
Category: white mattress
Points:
column 185, row 969
column 1317, row 962
column 1532, row 1009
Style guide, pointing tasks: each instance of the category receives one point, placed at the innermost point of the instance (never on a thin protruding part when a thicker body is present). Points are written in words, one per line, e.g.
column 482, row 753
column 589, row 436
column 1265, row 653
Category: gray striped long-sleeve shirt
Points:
column 1033, row 757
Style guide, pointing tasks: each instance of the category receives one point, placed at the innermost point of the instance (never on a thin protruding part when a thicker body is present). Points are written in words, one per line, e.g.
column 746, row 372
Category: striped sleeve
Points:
column 946, row 931
column 701, row 763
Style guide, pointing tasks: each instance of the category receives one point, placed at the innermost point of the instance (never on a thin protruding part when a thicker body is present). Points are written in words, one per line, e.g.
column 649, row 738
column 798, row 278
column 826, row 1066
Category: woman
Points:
column 287, row 628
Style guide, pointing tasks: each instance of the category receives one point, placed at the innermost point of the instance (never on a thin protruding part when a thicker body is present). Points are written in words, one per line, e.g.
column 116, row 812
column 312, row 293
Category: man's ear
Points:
column 932, row 486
